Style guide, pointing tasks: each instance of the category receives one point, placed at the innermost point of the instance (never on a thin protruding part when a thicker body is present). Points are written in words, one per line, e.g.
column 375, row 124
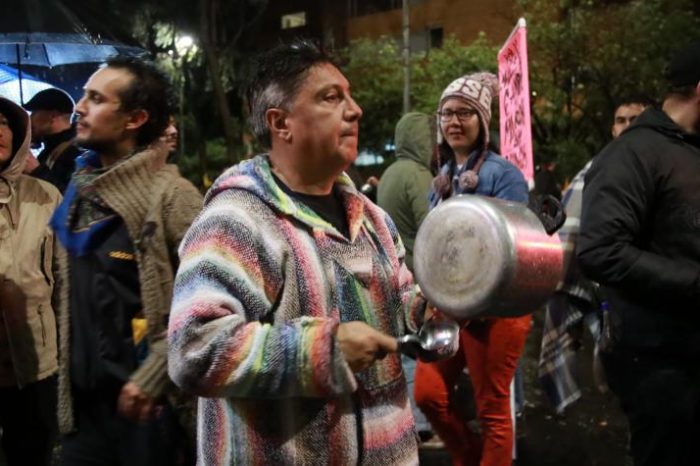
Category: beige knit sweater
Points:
column 157, row 205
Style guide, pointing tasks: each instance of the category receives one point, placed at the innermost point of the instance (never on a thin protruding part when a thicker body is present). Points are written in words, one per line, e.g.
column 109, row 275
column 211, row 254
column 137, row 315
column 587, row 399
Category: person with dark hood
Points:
column 489, row 347
column 51, row 111
column 28, row 253
column 640, row 240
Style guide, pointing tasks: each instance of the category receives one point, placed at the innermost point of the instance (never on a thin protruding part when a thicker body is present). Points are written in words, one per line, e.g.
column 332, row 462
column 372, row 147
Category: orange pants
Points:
column 491, row 349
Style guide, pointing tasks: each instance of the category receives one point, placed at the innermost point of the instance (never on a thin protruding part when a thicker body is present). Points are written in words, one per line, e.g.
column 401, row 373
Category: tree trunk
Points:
column 208, row 13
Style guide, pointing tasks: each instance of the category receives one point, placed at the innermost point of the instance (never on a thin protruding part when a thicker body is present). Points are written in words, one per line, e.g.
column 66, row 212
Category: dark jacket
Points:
column 404, row 186
column 640, row 234
column 57, row 168
column 157, row 206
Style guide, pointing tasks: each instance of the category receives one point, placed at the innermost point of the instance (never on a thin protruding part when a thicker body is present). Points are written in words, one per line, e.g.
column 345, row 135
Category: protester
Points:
column 292, row 287
column 51, row 111
column 122, row 218
column 170, row 138
column 625, row 114
column 575, row 302
column 28, row 361
column 640, row 239
column 403, row 193
column 489, row 347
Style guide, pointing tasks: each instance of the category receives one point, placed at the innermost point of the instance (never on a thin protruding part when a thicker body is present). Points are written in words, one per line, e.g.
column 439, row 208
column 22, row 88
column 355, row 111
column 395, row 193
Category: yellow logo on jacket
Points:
column 121, row 255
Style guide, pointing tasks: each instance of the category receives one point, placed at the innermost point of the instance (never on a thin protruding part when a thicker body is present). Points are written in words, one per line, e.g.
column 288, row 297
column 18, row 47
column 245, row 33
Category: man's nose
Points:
column 354, row 109
column 80, row 106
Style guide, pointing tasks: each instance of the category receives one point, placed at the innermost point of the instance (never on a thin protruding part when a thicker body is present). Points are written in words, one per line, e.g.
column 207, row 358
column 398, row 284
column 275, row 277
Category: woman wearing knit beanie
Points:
column 491, row 347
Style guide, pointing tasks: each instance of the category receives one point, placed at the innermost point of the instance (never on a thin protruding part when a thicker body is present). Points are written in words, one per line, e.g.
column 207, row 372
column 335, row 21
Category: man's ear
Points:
column 137, row 119
column 276, row 120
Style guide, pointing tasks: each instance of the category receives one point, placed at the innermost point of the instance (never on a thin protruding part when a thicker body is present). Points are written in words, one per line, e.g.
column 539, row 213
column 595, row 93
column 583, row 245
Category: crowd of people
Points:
column 146, row 324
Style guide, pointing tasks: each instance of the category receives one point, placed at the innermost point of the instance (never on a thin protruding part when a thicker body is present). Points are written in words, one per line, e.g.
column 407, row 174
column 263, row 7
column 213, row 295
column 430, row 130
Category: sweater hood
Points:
column 21, row 135
column 255, row 177
column 657, row 120
column 414, row 138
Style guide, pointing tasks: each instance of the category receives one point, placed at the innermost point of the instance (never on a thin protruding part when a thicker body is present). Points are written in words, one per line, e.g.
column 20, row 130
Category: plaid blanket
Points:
column 574, row 299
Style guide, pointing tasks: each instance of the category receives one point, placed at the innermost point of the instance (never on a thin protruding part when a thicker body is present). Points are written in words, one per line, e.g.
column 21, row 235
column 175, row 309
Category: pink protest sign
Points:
column 514, row 97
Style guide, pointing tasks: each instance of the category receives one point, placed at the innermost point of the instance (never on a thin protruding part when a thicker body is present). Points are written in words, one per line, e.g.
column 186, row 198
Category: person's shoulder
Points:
column 644, row 143
column 501, row 165
column 497, row 160
column 30, row 188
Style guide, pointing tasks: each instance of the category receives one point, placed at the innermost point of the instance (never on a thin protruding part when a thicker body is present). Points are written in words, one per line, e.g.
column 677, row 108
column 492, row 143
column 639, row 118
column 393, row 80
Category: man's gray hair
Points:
column 277, row 77
column 273, row 96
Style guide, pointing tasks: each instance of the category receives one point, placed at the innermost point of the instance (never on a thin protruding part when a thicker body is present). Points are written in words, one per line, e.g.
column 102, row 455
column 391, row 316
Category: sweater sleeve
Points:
column 224, row 341
column 180, row 207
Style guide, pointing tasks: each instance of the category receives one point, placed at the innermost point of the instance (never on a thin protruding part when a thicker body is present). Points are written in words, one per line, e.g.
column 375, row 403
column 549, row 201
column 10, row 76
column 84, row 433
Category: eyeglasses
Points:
column 462, row 115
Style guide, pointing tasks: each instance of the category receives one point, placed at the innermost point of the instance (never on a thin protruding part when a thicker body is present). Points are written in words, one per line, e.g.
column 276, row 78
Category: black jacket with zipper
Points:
column 640, row 234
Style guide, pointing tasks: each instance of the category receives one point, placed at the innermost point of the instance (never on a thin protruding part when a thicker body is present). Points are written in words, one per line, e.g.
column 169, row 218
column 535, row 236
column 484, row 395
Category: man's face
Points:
column 323, row 119
column 169, row 136
column 5, row 139
column 624, row 116
column 41, row 123
column 101, row 122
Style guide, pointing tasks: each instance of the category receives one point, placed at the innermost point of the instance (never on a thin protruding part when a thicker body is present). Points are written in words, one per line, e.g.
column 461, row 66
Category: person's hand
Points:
column 431, row 312
column 361, row 344
column 30, row 164
column 135, row 404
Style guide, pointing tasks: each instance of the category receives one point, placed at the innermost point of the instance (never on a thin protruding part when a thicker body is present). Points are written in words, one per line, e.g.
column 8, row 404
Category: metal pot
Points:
column 476, row 256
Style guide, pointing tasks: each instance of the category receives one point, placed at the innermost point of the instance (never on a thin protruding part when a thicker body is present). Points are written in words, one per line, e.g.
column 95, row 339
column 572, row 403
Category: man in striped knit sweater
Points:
column 292, row 288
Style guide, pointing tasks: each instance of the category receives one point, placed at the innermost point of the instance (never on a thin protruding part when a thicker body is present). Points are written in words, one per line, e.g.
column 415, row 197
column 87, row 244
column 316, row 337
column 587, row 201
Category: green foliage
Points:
column 585, row 56
column 375, row 70
column 433, row 71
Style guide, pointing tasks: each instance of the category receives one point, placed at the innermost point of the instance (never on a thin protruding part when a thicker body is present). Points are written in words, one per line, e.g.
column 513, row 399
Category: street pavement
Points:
column 591, row 432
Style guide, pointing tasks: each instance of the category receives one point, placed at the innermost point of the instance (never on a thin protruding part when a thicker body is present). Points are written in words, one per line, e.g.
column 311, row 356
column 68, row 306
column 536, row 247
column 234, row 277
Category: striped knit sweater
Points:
column 262, row 285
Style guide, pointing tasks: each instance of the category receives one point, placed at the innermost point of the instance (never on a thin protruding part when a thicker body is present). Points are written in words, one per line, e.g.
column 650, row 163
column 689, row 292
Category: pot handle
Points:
column 549, row 210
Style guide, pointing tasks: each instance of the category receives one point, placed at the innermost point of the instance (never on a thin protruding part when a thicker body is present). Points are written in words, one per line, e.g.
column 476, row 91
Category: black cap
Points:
column 51, row 99
column 684, row 67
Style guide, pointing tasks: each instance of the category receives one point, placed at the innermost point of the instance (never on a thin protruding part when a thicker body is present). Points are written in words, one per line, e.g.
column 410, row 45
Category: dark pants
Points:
column 28, row 421
column 659, row 395
column 104, row 438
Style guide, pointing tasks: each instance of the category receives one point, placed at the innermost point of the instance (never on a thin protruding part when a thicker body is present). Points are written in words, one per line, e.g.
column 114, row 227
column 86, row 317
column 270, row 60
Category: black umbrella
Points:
column 48, row 33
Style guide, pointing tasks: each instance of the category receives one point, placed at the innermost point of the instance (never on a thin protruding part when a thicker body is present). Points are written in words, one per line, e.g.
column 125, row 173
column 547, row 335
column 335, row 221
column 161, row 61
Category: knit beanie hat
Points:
column 478, row 90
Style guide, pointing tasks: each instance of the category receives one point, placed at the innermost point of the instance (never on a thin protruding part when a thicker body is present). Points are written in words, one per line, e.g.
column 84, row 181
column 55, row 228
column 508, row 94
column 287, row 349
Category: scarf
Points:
column 82, row 216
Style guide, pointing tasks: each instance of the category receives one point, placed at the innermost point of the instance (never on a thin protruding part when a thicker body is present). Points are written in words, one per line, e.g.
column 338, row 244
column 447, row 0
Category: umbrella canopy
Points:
column 48, row 33
column 53, row 49
column 9, row 84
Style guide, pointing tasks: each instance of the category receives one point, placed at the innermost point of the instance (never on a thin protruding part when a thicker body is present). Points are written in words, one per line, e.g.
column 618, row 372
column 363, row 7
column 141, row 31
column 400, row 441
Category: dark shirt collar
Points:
column 57, row 138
